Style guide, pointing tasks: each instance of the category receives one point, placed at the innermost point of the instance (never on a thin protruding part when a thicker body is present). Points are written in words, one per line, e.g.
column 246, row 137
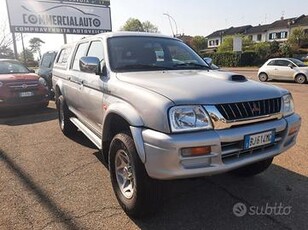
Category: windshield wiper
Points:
column 192, row 65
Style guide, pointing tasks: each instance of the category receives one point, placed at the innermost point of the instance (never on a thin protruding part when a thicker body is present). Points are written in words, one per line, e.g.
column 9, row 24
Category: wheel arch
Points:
column 122, row 118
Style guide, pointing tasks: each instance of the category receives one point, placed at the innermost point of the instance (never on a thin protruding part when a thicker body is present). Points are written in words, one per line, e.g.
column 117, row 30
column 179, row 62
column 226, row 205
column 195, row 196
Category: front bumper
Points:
column 161, row 153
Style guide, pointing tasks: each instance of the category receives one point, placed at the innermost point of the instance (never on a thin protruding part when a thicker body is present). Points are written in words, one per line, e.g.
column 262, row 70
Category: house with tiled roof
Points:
column 215, row 39
column 258, row 33
column 279, row 30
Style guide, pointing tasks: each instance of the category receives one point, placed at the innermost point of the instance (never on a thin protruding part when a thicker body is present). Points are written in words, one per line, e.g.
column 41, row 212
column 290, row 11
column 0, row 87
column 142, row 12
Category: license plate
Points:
column 259, row 139
column 26, row 94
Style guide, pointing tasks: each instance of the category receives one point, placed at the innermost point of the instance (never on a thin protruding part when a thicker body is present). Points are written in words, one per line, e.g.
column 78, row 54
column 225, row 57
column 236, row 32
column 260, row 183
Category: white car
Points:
column 284, row 69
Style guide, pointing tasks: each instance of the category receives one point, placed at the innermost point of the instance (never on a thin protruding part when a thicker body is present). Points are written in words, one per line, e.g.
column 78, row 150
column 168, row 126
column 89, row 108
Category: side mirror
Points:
column 90, row 65
column 208, row 60
column 291, row 65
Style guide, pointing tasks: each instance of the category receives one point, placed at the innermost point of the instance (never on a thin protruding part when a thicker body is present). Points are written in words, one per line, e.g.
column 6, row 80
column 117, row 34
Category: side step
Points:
column 89, row 134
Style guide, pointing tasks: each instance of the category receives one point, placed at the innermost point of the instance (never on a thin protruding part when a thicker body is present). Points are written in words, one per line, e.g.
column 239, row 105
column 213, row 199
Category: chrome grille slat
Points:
column 247, row 115
column 250, row 109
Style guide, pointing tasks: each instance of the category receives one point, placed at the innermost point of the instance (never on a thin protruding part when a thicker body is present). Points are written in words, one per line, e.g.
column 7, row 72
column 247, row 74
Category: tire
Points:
column 253, row 169
column 263, row 77
column 136, row 192
column 66, row 126
column 300, row 78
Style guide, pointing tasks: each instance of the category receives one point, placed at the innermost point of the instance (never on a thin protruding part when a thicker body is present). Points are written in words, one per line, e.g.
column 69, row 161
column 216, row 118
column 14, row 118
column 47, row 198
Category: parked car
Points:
column 45, row 69
column 166, row 115
column 20, row 87
column 284, row 69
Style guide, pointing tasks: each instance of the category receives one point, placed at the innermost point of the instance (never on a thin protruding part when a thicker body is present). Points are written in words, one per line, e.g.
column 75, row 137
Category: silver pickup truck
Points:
column 157, row 111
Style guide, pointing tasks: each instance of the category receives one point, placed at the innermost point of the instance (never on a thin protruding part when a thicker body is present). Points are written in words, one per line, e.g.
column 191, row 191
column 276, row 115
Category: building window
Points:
column 259, row 37
column 272, row 36
column 284, row 34
column 214, row 42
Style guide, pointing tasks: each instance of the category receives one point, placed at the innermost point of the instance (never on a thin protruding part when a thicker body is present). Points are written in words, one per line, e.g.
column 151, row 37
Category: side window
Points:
column 272, row 63
column 96, row 50
column 81, row 51
column 283, row 63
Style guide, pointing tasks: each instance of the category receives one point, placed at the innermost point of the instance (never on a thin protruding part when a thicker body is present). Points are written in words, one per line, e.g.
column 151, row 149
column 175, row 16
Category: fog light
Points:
column 292, row 131
column 1, row 100
column 196, row 151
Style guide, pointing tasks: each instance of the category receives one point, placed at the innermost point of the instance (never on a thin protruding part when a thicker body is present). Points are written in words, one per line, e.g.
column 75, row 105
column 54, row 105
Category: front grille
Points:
column 18, row 86
column 235, row 150
column 244, row 110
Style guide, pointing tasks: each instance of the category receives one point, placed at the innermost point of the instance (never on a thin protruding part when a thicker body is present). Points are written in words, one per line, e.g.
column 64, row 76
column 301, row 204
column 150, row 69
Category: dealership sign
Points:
column 59, row 16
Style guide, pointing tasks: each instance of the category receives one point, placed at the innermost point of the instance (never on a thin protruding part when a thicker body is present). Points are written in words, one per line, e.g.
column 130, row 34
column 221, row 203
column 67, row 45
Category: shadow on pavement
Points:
column 208, row 202
column 81, row 139
column 60, row 215
column 24, row 117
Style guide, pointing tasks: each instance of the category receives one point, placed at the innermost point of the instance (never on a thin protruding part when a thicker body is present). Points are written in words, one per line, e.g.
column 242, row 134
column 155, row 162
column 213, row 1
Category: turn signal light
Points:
column 196, row 151
column 292, row 131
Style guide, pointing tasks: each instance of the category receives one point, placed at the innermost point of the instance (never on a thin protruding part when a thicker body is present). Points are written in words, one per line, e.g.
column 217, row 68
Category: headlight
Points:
column 1, row 84
column 189, row 118
column 42, row 81
column 287, row 105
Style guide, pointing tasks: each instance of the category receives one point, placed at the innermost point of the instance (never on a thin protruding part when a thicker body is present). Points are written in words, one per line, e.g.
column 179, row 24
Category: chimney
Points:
column 282, row 18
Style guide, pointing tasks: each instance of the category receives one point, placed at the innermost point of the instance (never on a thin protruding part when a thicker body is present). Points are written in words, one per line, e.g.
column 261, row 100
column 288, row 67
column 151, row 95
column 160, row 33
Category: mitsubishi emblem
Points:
column 255, row 108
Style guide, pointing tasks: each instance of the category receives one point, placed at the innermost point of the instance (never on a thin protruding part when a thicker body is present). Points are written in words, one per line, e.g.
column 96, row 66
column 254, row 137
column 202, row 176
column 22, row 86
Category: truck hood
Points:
column 202, row 87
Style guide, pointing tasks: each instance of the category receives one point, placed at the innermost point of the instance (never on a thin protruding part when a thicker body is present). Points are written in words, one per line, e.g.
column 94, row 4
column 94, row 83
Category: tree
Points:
column 199, row 43
column 35, row 45
column 263, row 50
column 248, row 43
column 274, row 49
column 149, row 27
column 298, row 38
column 226, row 45
column 286, row 49
column 27, row 57
column 6, row 52
column 133, row 24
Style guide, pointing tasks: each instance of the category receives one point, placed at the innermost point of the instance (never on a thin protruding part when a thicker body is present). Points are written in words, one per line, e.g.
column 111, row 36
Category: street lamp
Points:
column 176, row 27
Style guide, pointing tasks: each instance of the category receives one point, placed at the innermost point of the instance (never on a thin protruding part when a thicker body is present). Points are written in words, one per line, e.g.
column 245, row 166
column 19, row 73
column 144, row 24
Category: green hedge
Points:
column 234, row 59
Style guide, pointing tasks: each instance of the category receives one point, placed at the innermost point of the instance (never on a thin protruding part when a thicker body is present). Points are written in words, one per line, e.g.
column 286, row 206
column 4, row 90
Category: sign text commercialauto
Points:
column 52, row 16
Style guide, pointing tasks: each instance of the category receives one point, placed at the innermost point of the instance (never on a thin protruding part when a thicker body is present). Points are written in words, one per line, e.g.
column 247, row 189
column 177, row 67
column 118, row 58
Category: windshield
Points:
column 151, row 53
column 298, row 62
column 7, row 67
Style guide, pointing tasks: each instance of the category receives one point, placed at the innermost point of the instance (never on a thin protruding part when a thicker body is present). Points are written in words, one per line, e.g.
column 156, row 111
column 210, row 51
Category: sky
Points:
column 193, row 17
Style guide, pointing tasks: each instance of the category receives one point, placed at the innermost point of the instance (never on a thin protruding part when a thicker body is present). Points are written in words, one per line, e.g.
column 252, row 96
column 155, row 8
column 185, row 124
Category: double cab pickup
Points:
column 158, row 111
